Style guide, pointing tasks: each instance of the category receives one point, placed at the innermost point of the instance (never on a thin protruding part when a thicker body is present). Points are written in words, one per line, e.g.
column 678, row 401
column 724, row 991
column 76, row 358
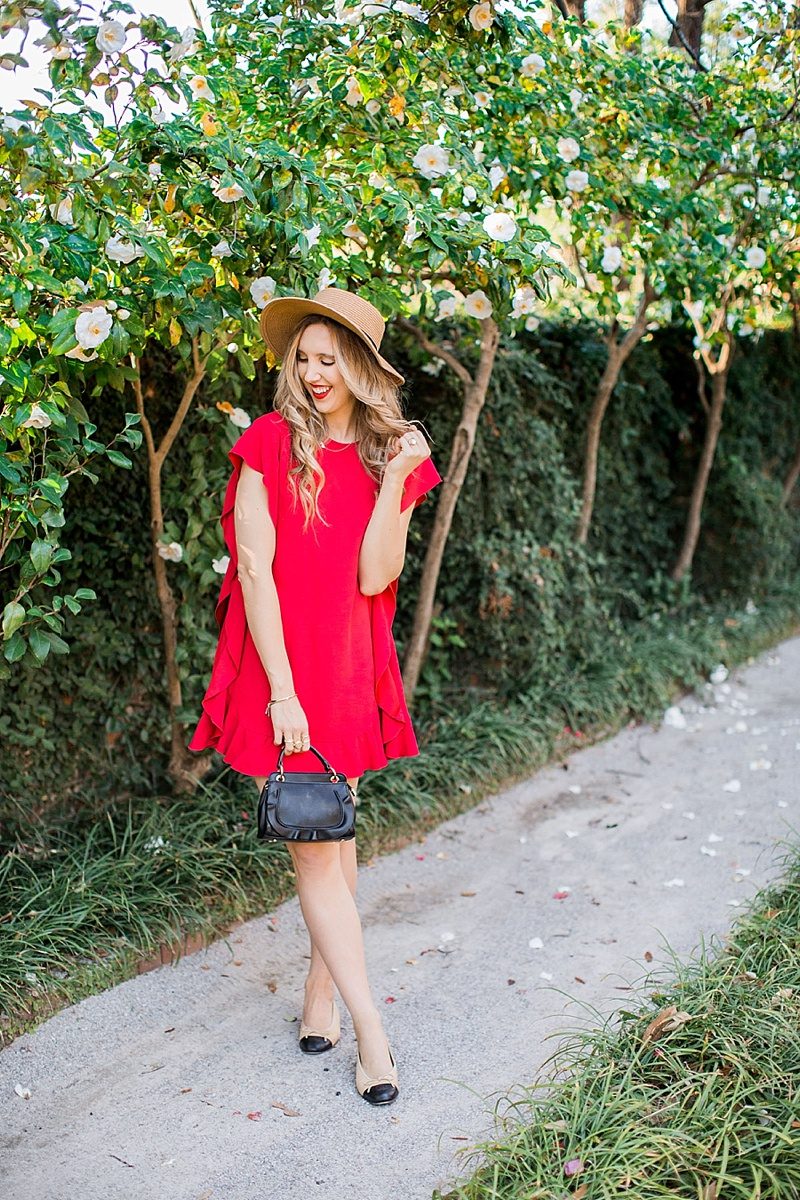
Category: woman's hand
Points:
column 408, row 452
column 291, row 725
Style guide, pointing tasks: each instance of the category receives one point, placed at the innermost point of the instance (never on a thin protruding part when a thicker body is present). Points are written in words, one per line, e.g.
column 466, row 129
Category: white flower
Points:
column 155, row 844
column 220, row 565
column 463, row 218
column 354, row 94
column 110, row 37
column 222, row 249
column 500, row 225
column 373, row 107
column 121, row 251
column 469, row 194
column 409, row 10
column 568, row 149
column 23, row 1092
column 432, row 161
column 411, row 231
column 481, row 16
column 61, row 211
column 200, row 88
column 531, row 65
column 228, row 193
column 524, row 301
column 477, row 304
column 447, row 308
column 158, row 116
column 186, row 46
column 755, row 257
column 434, row 367
column 612, row 259
column 662, row 183
column 61, row 51
column 763, row 195
column 482, row 99
column 376, row 180
column 749, row 135
column 239, row 418
column 532, row 323
column 37, row 420
column 81, row 355
column 351, row 230
column 496, row 175
column 111, row 305
column 154, row 170
column 577, row 181
column 172, row 553
column 312, row 235
column 745, row 329
column 123, row 314
column 93, row 327
column 325, row 278
column 262, row 290
column 576, row 98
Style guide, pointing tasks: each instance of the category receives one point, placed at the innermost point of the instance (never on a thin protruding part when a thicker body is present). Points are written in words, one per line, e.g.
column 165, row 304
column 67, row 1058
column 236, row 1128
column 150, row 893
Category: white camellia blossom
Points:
column 477, row 304
column 469, row 195
column 123, row 314
column 158, row 116
column 354, row 94
column 662, row 183
column 532, row 65
column 351, row 230
column 482, row 99
column 411, row 232
column 612, row 259
column 577, row 181
column 61, row 51
column 262, row 290
column 37, row 420
column 110, row 37
column 532, row 323
column 222, row 249
column 93, row 327
column 121, row 250
column 239, row 418
column 763, row 195
column 447, row 308
column 325, row 278
column 61, row 211
column 500, row 225
column 186, row 46
column 524, row 301
column 200, row 88
column 576, row 98
column 481, row 16
column 228, row 193
column 409, row 10
column 755, row 257
column 220, row 565
column 154, row 170
column 568, row 149
column 496, row 175
column 376, row 180
column 80, row 354
column 432, row 161
column 312, row 235
column 172, row 552
column 373, row 107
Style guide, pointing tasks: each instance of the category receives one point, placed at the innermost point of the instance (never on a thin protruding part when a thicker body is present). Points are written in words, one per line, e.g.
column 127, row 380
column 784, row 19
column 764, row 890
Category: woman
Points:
column 315, row 518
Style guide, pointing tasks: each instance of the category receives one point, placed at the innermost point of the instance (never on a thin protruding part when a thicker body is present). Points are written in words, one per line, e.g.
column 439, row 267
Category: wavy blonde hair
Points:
column 378, row 414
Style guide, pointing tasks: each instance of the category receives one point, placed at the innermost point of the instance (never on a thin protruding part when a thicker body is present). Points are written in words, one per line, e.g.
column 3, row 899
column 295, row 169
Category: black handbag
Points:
column 306, row 806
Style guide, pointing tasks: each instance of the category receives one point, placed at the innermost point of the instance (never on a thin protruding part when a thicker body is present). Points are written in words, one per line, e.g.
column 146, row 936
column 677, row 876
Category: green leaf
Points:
column 13, row 616
column 15, row 648
column 85, row 594
column 41, row 554
column 119, row 460
column 39, row 643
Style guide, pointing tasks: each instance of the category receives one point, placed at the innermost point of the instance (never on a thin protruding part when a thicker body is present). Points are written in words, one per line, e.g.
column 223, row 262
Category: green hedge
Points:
column 518, row 602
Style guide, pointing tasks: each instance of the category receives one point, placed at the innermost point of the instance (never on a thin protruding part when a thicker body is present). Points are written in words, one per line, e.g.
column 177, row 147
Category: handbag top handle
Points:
column 335, row 777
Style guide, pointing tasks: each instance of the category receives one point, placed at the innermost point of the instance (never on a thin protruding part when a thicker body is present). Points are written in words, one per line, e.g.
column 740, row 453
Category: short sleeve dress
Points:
column 339, row 642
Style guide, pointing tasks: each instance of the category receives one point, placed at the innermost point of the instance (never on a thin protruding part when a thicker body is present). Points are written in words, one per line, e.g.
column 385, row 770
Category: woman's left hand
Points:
column 409, row 451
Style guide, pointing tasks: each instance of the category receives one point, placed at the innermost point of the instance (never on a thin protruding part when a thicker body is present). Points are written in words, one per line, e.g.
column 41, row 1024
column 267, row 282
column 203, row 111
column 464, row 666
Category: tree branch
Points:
column 435, row 350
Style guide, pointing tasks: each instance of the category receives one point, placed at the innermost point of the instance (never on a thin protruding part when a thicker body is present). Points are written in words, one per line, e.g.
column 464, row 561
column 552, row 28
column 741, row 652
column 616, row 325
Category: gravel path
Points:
column 493, row 932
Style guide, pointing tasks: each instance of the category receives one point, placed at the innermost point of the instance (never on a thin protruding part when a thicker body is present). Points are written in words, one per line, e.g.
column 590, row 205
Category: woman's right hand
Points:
column 290, row 724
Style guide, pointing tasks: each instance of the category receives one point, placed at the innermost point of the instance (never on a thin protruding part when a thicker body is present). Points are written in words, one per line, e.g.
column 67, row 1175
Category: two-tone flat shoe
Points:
column 316, row 1041
column 380, row 1089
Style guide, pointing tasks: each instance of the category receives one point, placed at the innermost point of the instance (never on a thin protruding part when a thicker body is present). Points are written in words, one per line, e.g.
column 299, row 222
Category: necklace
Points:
column 336, row 448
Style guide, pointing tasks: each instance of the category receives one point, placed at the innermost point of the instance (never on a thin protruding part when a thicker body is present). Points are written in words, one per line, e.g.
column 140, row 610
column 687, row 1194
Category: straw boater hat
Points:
column 279, row 319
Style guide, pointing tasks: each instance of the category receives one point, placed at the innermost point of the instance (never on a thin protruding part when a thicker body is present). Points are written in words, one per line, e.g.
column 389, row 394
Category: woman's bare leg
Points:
column 329, row 910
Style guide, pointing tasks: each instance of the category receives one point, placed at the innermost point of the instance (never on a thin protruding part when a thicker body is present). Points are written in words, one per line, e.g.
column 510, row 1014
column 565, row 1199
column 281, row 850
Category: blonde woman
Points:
column 315, row 518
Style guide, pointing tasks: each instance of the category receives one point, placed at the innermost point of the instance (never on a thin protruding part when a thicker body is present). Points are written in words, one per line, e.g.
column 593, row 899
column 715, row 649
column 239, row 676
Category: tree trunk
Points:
column 688, row 28
column 576, row 8
column 618, row 354
column 791, row 478
column 474, row 399
column 184, row 767
column 719, row 387
column 633, row 13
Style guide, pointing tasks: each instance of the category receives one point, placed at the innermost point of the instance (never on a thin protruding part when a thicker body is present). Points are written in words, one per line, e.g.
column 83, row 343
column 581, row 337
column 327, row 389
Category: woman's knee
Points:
column 315, row 860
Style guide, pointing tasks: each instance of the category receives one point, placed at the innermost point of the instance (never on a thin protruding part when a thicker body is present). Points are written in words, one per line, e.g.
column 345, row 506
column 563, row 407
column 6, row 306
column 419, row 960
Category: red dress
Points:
column 339, row 641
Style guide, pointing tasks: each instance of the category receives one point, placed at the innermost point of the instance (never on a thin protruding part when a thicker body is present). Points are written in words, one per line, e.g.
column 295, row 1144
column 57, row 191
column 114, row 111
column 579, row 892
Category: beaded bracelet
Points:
column 278, row 701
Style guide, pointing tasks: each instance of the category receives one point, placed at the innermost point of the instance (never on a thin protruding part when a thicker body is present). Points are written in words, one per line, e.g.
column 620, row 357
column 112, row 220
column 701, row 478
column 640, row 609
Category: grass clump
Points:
column 694, row 1094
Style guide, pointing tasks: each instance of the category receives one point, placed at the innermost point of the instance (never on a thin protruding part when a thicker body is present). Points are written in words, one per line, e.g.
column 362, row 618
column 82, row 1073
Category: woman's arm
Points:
column 383, row 549
column 255, row 548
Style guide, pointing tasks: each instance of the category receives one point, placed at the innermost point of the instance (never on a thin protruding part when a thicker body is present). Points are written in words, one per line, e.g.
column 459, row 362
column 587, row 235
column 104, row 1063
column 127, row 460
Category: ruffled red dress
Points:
column 339, row 642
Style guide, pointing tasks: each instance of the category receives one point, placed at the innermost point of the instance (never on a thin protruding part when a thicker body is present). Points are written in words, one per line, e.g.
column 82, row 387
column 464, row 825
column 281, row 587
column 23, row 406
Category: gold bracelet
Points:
column 278, row 701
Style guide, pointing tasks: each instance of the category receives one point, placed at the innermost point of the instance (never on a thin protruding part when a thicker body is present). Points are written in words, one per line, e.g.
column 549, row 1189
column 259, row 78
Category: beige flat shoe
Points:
column 382, row 1089
column 316, row 1041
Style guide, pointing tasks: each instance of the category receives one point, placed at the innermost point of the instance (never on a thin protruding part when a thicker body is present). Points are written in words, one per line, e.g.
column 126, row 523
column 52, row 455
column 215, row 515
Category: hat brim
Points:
column 279, row 319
